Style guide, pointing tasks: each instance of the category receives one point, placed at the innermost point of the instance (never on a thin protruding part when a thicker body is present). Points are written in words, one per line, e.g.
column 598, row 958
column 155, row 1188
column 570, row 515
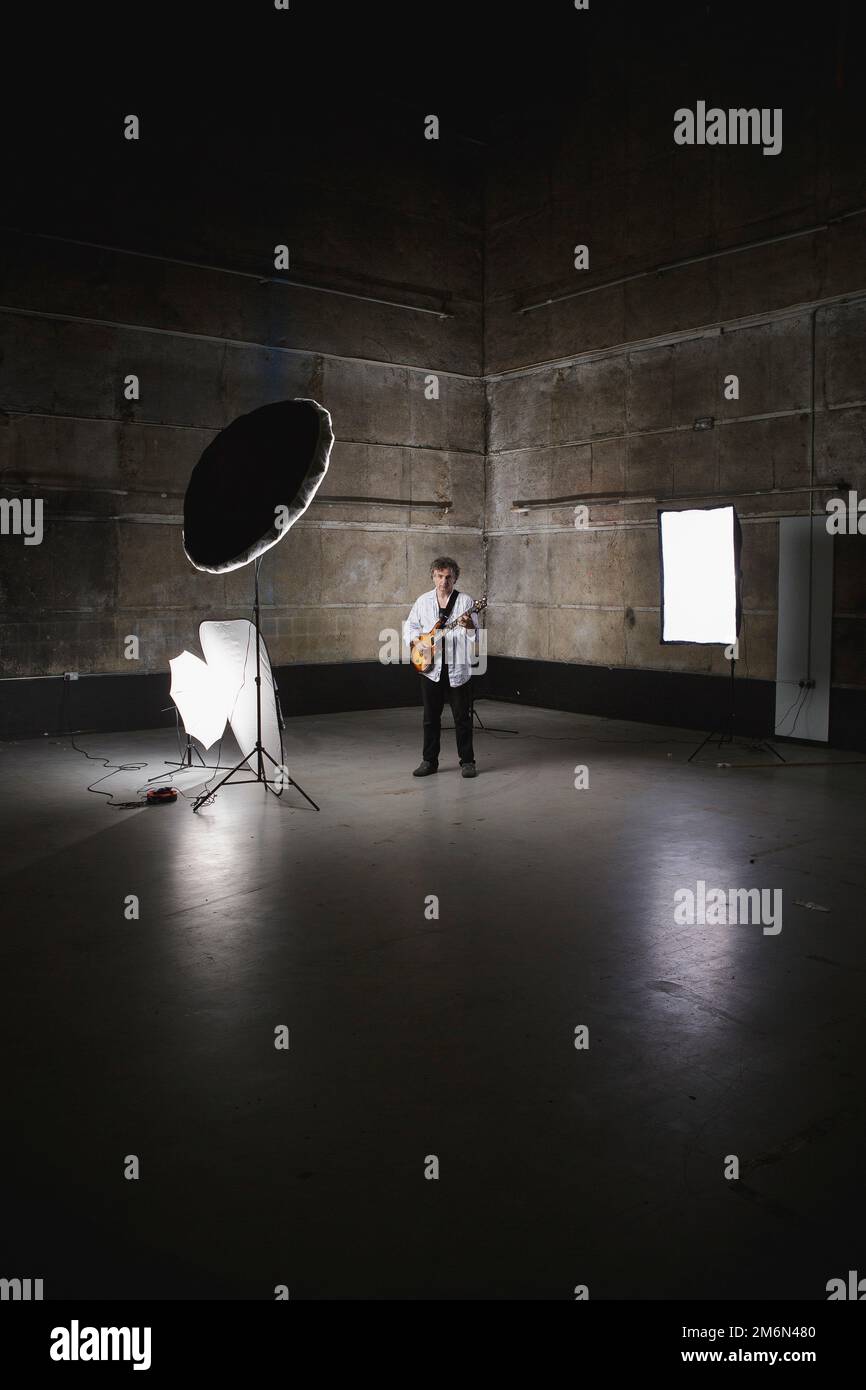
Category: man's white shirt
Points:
column 462, row 642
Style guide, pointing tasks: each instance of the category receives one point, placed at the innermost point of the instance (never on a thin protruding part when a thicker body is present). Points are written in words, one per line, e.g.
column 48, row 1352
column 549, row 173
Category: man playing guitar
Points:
column 449, row 673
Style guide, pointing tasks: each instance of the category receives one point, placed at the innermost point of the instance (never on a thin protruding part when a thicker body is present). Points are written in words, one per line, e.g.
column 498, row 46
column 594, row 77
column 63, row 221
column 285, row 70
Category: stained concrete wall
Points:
column 599, row 392
column 156, row 259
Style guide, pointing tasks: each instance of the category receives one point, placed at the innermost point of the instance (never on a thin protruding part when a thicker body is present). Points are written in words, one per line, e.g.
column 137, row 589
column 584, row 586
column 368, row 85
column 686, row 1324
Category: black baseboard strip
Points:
column 651, row 697
column 33, row 708
column 48, row 705
column 663, row 697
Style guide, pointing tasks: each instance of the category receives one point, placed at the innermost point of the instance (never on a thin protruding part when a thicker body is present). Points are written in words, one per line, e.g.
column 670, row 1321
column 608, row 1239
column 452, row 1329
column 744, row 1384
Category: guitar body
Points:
column 423, row 652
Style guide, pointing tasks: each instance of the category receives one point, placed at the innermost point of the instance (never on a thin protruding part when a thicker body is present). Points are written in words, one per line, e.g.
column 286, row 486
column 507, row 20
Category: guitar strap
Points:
column 455, row 594
column 446, row 612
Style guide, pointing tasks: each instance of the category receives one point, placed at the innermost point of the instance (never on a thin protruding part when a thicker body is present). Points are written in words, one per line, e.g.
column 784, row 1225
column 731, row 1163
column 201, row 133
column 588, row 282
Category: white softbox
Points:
column 699, row 560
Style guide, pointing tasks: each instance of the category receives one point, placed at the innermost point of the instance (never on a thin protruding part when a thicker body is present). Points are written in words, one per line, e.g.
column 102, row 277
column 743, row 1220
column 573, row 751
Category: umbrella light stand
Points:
column 254, row 480
column 184, row 764
column 259, row 751
column 202, row 707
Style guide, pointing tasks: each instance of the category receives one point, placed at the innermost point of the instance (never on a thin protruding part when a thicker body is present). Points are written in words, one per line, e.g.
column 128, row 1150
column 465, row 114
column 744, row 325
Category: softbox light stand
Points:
column 259, row 752
column 725, row 733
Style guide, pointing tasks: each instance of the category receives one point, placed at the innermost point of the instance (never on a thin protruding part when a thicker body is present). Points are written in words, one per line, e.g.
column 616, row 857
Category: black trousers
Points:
column 435, row 694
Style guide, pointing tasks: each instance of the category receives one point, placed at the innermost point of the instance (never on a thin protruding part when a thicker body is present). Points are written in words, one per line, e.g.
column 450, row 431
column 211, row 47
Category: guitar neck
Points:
column 455, row 622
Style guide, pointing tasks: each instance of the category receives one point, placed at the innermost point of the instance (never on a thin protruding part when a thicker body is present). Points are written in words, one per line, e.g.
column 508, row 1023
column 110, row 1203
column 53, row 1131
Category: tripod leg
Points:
column 187, row 762
column 292, row 782
column 206, row 796
column 490, row 728
column 266, row 779
column 709, row 736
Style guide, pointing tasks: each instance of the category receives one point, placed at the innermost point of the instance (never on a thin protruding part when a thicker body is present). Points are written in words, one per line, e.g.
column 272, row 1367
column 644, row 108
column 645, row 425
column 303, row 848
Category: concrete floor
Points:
column 452, row 1037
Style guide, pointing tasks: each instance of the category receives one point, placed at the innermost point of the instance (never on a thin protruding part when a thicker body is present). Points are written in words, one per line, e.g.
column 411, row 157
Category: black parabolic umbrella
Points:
column 253, row 481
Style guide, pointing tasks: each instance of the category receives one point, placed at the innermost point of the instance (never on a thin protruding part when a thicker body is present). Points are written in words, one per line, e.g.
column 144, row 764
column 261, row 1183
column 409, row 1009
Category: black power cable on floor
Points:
column 581, row 736
column 137, row 767
column 587, row 738
column 119, row 767
column 800, row 701
column 95, row 757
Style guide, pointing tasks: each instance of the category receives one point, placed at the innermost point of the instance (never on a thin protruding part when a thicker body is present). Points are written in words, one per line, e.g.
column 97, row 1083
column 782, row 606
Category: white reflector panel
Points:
column 230, row 650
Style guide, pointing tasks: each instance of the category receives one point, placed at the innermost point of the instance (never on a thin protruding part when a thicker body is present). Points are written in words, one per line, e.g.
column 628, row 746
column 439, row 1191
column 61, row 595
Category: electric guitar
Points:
column 424, row 647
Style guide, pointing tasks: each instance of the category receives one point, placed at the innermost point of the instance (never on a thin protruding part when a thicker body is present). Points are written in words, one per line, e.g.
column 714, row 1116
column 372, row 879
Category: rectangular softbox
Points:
column 699, row 564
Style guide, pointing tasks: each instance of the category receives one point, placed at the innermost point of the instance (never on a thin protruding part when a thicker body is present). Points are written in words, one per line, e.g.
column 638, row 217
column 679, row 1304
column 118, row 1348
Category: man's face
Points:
column 444, row 581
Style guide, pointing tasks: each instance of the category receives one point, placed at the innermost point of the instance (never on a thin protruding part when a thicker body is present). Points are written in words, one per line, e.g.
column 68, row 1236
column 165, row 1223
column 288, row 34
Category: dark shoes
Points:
column 427, row 769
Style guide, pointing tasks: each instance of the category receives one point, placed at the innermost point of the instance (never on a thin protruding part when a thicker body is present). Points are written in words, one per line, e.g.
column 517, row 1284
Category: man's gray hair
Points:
column 444, row 562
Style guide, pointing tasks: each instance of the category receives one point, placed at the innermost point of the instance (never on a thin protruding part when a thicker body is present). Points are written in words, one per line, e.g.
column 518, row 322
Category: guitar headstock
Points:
column 478, row 605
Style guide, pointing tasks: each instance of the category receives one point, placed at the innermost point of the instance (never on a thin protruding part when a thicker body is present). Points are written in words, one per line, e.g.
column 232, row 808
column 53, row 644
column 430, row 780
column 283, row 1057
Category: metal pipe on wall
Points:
column 626, row 499
column 690, row 260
